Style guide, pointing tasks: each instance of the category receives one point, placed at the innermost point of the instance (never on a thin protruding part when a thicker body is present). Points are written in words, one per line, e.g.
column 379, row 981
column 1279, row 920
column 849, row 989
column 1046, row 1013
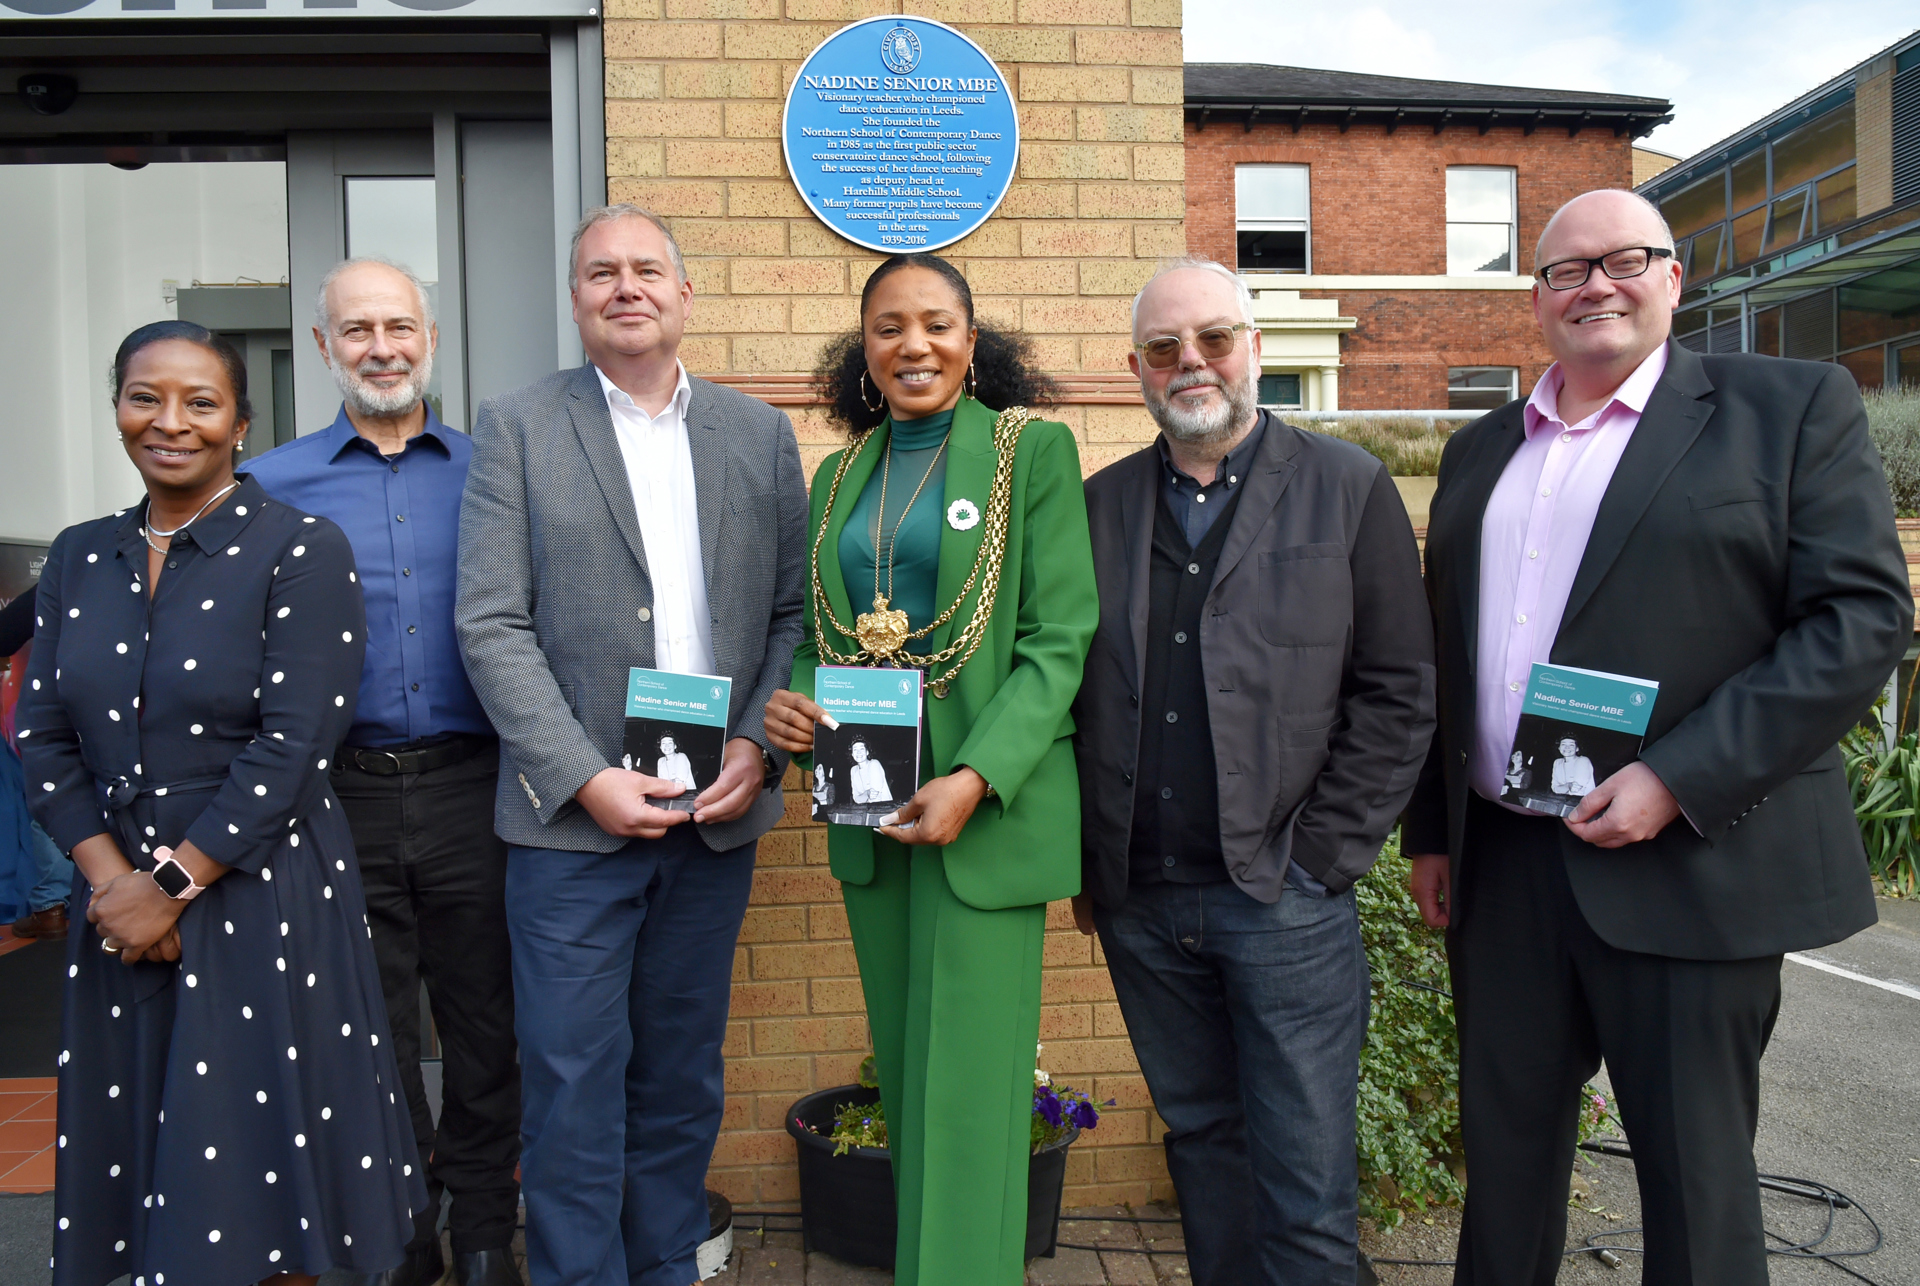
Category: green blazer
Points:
column 1006, row 714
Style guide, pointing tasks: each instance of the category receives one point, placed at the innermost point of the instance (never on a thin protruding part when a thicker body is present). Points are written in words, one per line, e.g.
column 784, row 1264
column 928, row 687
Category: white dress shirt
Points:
column 675, row 768
column 660, row 473
column 869, row 782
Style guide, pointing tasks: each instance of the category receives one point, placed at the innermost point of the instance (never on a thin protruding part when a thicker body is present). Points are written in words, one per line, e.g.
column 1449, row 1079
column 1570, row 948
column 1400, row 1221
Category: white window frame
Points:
column 1513, row 223
column 1512, row 373
column 1302, row 226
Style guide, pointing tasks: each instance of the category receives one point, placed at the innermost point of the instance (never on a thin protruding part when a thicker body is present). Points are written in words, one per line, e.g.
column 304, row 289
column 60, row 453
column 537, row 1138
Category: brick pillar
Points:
column 695, row 90
column 1873, row 135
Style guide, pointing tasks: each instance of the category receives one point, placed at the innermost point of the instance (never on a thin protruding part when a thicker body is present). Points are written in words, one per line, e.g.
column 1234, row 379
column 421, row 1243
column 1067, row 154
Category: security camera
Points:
column 47, row 93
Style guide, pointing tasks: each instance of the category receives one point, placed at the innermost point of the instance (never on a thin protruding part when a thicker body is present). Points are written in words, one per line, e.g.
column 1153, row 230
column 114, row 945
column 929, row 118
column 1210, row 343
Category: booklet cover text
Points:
column 1577, row 728
column 870, row 764
column 676, row 730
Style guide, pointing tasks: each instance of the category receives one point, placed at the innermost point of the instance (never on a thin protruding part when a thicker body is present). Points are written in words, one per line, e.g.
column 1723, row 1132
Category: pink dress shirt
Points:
column 1532, row 538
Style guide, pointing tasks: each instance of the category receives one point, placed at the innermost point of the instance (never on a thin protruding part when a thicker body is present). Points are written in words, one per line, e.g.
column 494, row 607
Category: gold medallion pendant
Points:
column 883, row 631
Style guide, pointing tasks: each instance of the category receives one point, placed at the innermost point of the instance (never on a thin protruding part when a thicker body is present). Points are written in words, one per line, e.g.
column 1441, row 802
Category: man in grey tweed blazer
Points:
column 617, row 515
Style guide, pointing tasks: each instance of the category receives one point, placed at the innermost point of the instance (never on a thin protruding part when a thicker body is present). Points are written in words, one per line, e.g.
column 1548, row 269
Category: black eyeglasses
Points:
column 1619, row 265
column 1214, row 343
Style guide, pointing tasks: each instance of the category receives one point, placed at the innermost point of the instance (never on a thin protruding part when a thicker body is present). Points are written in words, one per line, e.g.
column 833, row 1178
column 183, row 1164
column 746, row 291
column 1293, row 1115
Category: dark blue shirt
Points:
column 1193, row 506
column 402, row 517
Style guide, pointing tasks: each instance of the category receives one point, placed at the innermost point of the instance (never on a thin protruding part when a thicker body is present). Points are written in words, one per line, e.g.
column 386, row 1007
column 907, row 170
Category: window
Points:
column 1271, row 210
column 1481, row 388
column 1480, row 231
column 1771, row 198
column 1280, row 390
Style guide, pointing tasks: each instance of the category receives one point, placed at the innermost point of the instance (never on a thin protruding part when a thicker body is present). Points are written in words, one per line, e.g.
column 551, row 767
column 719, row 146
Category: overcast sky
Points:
column 1721, row 63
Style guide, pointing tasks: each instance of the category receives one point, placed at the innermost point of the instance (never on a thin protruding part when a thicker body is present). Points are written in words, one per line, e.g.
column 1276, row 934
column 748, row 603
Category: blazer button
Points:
column 1127, row 777
column 1463, row 756
column 646, row 614
column 1134, row 701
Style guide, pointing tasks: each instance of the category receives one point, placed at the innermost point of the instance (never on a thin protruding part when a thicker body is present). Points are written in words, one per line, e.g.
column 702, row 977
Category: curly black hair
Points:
column 1004, row 372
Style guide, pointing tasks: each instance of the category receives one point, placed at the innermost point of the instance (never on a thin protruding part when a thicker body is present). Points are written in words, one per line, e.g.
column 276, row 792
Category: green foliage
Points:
column 1411, row 1156
column 1886, row 800
column 1409, row 1126
column 1893, row 418
column 1058, row 1110
column 858, row 1125
column 1409, row 446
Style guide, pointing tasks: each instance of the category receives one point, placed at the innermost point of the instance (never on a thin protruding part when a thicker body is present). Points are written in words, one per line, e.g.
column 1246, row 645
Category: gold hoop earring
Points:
column 863, row 396
column 973, row 380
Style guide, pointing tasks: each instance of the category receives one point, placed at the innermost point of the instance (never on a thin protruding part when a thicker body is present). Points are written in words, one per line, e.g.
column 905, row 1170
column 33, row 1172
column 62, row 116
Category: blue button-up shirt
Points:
column 402, row 517
column 1193, row 506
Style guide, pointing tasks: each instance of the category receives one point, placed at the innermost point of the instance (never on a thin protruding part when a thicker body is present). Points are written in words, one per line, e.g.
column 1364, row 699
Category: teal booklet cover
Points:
column 870, row 764
column 676, row 730
column 1577, row 728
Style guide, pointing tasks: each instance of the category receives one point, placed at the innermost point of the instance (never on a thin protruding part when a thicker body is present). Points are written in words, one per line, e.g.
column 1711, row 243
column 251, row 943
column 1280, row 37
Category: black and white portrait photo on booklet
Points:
column 862, row 773
column 686, row 753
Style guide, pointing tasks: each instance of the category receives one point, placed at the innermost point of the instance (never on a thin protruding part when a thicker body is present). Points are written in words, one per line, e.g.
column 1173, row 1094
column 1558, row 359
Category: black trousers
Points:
column 1540, row 1001
column 435, row 876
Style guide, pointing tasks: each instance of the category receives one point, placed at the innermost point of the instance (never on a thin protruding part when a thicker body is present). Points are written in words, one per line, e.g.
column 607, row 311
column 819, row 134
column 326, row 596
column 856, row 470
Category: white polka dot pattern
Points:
column 206, row 626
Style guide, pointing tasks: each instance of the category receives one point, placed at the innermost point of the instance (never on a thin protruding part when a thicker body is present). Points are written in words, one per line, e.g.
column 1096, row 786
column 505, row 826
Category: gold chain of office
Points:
column 880, row 641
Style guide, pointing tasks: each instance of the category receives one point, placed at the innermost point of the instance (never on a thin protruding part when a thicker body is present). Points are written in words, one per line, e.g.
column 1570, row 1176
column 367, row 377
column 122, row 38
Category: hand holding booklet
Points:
column 1577, row 728
column 866, row 762
column 676, row 730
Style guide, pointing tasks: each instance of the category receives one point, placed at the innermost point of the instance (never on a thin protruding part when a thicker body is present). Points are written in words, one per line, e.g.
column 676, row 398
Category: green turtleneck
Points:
column 915, row 533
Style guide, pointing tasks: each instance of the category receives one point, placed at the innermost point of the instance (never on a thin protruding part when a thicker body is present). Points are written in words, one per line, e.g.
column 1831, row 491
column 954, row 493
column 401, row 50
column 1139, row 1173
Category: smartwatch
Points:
column 173, row 879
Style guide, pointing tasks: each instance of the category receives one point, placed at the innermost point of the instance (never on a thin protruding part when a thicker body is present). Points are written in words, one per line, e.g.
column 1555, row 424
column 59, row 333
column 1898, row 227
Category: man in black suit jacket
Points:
column 1255, row 709
column 1721, row 526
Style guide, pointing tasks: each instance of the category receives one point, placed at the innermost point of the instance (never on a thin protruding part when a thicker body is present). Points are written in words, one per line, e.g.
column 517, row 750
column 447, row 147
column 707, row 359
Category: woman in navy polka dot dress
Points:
column 228, row 1106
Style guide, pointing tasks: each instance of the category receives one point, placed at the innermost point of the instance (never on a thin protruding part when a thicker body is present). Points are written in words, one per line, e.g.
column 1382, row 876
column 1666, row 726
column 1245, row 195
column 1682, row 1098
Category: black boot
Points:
column 423, row 1266
column 486, row 1268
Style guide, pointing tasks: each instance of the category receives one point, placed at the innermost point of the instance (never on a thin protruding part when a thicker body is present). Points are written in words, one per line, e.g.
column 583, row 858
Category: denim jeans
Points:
column 1248, row 1020
column 621, row 980
column 55, row 885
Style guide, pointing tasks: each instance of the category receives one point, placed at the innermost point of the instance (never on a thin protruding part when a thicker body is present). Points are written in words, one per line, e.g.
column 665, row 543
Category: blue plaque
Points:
column 901, row 134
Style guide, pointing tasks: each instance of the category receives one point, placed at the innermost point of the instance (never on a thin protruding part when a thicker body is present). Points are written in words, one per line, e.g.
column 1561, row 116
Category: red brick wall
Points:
column 1380, row 207
column 1397, row 357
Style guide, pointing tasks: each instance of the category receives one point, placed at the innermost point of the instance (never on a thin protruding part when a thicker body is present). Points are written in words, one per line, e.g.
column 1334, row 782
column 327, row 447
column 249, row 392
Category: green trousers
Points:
column 953, row 997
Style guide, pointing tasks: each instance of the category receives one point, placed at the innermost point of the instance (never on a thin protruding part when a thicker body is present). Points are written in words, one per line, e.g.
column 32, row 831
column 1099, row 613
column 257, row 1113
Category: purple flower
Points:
column 1047, row 1104
column 1084, row 1115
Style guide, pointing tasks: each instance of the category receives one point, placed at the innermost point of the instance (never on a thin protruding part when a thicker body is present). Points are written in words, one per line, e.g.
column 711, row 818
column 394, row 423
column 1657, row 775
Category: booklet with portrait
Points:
column 676, row 729
column 1577, row 728
column 870, row 764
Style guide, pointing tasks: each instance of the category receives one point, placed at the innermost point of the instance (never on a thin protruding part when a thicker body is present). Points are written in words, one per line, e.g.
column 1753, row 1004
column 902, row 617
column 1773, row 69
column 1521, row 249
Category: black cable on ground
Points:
column 1595, row 1244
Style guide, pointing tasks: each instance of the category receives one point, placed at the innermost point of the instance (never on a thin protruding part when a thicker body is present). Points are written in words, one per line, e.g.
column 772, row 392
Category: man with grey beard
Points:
column 418, row 773
column 1256, row 707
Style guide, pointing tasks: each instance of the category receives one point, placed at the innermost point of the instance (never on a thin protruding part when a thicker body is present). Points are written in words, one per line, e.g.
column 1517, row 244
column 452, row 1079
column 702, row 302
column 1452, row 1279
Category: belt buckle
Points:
column 399, row 769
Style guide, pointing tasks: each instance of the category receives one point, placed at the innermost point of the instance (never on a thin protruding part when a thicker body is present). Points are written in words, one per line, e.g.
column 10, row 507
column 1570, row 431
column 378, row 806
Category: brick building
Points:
column 1387, row 224
column 465, row 139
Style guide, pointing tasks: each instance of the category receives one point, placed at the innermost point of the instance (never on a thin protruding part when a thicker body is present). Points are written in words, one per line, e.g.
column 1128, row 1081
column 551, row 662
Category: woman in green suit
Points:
column 972, row 523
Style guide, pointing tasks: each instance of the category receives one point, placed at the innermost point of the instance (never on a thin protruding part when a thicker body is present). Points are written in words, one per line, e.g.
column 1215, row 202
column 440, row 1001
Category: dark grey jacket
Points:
column 1318, row 663
column 553, row 577
column 1744, row 556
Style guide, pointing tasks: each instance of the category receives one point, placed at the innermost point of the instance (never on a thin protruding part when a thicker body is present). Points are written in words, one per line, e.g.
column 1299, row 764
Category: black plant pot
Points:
column 847, row 1201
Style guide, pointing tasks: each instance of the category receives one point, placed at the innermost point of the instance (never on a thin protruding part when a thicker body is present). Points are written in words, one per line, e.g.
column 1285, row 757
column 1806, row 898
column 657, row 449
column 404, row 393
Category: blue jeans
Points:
column 1248, row 1020
column 622, row 966
column 56, row 873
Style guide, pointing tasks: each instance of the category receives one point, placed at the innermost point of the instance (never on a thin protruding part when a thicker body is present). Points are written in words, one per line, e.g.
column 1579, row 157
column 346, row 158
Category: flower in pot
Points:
column 846, row 1173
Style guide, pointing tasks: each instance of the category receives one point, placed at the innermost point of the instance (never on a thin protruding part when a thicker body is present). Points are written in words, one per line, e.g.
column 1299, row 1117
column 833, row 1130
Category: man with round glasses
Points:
column 1254, row 711
column 1719, row 525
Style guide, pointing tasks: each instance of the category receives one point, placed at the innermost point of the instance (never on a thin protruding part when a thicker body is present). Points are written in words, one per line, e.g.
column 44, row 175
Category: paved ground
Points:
column 1839, row 1089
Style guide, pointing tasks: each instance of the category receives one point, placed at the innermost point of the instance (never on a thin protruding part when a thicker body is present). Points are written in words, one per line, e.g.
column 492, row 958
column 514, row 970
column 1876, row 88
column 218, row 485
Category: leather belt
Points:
column 415, row 759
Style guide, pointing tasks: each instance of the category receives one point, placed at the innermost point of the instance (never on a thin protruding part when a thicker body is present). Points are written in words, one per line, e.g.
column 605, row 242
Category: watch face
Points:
column 172, row 879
